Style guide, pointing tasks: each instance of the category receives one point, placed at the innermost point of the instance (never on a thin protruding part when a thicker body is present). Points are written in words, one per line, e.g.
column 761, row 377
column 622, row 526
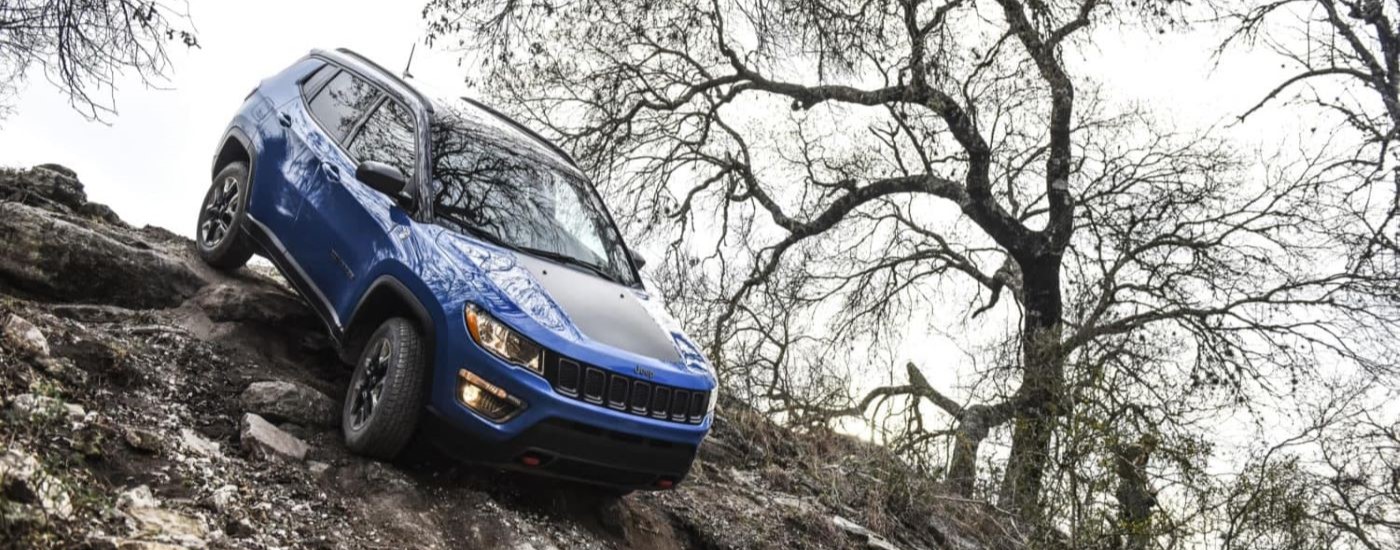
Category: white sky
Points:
column 151, row 164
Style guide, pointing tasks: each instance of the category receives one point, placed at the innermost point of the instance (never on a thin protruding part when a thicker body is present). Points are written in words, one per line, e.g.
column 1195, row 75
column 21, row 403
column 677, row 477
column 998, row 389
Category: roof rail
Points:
column 547, row 143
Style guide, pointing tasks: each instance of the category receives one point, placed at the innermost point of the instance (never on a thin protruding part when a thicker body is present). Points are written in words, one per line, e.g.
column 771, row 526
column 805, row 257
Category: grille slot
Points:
column 680, row 401
column 698, row 403
column 617, row 392
column 660, row 402
column 568, row 377
column 593, row 382
column 625, row 393
column 641, row 397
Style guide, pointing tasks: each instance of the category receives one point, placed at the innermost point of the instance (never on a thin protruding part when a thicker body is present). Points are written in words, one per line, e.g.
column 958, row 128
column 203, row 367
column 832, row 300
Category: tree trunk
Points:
column 972, row 429
column 1135, row 498
column 1041, row 388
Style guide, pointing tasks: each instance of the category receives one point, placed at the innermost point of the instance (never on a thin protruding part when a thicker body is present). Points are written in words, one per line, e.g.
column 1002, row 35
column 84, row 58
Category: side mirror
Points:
column 382, row 178
column 637, row 259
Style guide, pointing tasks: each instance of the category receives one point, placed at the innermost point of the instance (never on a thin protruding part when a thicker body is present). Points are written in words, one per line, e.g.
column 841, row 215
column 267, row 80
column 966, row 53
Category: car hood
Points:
column 577, row 305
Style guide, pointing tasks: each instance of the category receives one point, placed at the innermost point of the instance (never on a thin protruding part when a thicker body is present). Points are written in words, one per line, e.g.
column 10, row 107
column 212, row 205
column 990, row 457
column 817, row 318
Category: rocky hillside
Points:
column 150, row 402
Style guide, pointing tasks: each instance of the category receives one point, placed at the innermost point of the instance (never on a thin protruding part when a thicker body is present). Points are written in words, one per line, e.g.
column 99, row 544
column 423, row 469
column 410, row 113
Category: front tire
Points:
column 219, row 236
column 387, row 392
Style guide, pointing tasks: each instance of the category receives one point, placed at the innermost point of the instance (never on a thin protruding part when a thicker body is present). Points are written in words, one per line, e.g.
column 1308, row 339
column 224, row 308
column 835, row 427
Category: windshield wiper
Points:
column 547, row 254
column 489, row 237
column 570, row 260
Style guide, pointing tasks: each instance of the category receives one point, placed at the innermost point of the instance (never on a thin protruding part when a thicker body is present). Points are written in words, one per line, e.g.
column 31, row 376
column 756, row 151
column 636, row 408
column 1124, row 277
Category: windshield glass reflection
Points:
column 496, row 184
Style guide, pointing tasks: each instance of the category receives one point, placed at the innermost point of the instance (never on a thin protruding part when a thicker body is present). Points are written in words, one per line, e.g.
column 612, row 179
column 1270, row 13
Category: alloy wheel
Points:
column 370, row 385
column 219, row 212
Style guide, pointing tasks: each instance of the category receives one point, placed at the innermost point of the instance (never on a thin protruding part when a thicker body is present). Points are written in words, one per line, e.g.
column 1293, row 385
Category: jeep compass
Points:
column 468, row 269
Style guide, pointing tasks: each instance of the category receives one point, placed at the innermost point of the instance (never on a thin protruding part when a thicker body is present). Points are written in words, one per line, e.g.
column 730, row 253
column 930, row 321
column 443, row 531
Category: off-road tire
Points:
column 384, row 430
column 232, row 249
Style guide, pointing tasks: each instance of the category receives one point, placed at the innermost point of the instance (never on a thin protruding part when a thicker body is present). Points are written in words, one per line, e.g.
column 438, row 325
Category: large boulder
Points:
column 45, row 254
column 291, row 402
column 53, row 187
column 264, row 304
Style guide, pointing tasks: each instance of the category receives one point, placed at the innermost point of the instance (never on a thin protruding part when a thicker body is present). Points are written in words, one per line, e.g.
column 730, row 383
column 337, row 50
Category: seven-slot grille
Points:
column 641, row 397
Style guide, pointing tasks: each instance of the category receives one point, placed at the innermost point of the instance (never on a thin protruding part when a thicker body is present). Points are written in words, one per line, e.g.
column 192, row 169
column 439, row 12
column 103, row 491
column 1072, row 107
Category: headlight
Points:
column 503, row 342
column 714, row 399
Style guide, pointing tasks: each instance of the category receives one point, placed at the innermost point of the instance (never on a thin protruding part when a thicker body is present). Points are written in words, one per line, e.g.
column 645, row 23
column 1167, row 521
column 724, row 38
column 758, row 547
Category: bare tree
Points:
column 828, row 171
column 82, row 47
column 1345, row 60
column 1330, row 483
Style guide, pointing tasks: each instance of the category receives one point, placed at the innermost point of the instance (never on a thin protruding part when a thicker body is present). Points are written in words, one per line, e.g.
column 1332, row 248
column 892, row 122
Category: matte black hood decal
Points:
column 602, row 310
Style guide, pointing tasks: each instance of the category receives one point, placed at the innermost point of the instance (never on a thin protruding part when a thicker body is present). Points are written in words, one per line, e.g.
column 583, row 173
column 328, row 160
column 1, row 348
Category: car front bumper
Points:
column 554, row 435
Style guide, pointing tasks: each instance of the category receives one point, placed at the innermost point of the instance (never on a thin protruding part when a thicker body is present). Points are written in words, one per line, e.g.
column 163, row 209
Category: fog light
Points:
column 485, row 398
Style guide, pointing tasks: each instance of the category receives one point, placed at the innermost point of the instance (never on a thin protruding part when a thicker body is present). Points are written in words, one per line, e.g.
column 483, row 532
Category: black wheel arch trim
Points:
column 237, row 134
column 390, row 283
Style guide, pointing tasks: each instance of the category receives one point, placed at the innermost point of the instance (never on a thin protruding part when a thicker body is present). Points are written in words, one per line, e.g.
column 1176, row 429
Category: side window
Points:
column 313, row 82
column 341, row 103
column 387, row 137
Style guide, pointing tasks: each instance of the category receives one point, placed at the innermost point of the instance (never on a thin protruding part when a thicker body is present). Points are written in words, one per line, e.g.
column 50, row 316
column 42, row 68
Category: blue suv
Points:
column 469, row 270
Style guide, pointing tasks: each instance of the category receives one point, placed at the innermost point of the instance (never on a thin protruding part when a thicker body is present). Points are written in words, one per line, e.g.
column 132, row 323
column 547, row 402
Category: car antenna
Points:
column 406, row 74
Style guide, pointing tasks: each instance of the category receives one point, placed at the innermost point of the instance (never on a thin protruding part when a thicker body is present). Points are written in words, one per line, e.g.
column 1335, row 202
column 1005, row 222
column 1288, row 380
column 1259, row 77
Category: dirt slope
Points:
column 123, row 364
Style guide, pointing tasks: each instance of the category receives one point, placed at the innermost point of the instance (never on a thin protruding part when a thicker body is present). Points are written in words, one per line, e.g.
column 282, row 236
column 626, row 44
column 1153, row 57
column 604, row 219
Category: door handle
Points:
column 331, row 169
column 284, row 119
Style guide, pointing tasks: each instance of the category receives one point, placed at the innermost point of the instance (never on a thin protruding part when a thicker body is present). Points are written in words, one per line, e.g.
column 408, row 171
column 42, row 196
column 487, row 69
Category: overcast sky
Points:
column 151, row 164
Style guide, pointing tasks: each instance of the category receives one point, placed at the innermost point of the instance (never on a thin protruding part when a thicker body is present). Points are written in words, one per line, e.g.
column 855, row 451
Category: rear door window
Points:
column 315, row 80
column 341, row 103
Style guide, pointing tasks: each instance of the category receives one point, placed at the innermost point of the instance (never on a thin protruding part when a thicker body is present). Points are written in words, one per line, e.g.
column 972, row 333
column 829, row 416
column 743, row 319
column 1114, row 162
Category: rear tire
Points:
column 387, row 392
column 219, row 236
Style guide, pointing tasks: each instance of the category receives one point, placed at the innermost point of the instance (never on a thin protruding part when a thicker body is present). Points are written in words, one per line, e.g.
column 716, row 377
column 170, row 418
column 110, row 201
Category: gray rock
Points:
column 40, row 406
column 872, row 540
column 49, row 185
column 154, row 525
column 47, row 255
column 24, row 480
column 62, row 171
column 139, row 496
column 292, row 402
column 53, row 187
column 198, row 444
column 317, row 468
column 141, row 439
column 23, row 336
column 266, row 441
column 62, row 369
column 260, row 304
column 224, row 498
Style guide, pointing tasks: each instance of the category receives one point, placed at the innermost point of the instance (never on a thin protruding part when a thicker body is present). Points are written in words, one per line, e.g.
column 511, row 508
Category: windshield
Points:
column 496, row 184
